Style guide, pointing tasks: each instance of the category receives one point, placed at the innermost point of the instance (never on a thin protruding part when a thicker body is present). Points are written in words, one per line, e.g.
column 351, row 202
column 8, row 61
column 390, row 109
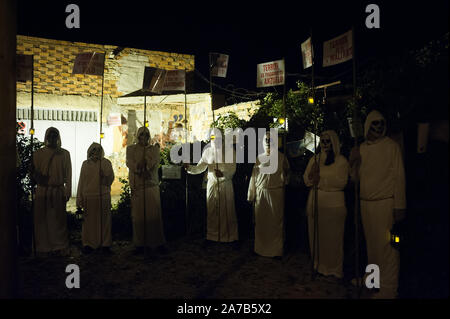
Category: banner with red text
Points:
column 270, row 74
column 219, row 64
column 307, row 53
column 175, row 80
column 338, row 50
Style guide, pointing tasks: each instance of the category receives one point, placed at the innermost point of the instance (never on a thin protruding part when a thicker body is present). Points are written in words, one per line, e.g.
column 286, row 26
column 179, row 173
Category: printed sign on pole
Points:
column 270, row 74
column 24, row 67
column 307, row 53
column 89, row 63
column 338, row 50
column 175, row 80
column 115, row 119
column 154, row 79
column 219, row 64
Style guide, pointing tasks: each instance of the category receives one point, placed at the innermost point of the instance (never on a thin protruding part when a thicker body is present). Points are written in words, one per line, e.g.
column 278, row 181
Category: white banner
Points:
column 89, row 63
column 307, row 53
column 270, row 74
column 219, row 64
column 338, row 50
column 175, row 80
column 24, row 67
column 115, row 119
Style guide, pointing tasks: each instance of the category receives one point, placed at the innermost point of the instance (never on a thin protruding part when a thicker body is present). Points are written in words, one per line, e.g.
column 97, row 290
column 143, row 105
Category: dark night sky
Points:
column 250, row 32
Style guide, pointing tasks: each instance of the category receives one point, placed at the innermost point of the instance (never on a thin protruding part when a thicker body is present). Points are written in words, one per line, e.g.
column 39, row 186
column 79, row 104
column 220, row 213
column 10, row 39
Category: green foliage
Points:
column 299, row 112
column 121, row 213
column 229, row 120
column 24, row 181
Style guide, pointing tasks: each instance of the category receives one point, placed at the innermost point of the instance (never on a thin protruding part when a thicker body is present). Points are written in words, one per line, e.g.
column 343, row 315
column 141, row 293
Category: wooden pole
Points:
column 8, row 207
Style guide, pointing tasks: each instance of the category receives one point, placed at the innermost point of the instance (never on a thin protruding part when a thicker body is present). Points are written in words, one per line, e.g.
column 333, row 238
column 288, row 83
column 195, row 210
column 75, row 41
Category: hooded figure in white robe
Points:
column 52, row 171
column 221, row 217
column 267, row 192
column 143, row 162
column 331, row 175
column 383, row 200
column 94, row 196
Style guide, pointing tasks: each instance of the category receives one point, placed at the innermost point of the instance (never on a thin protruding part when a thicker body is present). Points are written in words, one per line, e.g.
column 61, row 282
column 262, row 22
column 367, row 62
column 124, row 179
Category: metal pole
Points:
column 315, row 202
column 356, row 217
column 186, row 212
column 217, row 165
column 31, row 155
column 100, row 161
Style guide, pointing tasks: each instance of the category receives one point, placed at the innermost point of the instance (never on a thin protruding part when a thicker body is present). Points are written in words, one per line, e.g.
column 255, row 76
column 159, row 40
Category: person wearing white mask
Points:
column 142, row 161
column 267, row 191
column 378, row 164
column 330, row 173
column 52, row 171
column 221, row 217
column 94, row 196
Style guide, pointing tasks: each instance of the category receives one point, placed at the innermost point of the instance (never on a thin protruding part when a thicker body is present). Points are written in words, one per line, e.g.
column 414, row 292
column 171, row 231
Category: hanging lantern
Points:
column 396, row 236
column 311, row 100
column 281, row 120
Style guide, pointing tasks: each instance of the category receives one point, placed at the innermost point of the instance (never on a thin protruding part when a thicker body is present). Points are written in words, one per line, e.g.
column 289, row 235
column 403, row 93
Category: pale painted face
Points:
column 325, row 143
column 267, row 142
column 376, row 129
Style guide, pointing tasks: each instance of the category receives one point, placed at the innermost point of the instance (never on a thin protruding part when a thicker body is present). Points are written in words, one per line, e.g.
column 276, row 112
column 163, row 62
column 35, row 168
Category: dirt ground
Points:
column 187, row 271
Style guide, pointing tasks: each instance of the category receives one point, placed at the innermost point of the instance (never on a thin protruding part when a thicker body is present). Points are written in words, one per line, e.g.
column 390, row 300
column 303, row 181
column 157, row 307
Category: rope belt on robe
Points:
column 53, row 189
column 376, row 200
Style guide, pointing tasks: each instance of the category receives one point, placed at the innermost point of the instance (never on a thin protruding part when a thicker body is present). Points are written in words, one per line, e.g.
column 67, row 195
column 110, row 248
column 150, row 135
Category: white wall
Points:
column 76, row 137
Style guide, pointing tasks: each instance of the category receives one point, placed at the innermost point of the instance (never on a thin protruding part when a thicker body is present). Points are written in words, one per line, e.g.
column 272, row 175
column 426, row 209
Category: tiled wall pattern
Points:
column 53, row 61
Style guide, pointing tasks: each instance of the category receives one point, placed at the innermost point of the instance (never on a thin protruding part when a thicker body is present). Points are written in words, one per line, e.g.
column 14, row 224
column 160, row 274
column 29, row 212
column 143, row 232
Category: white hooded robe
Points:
column 382, row 189
column 96, row 200
column 50, row 219
column 329, row 254
column 221, row 214
column 267, row 192
column 149, row 200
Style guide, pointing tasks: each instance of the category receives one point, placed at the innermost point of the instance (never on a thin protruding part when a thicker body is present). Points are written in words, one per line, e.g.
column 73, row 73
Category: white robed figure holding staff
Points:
column 267, row 192
column 221, row 215
column 94, row 196
column 52, row 171
column 143, row 162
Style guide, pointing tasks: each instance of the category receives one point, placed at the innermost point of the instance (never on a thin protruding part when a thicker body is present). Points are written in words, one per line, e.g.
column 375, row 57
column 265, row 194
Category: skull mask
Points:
column 325, row 143
column 376, row 129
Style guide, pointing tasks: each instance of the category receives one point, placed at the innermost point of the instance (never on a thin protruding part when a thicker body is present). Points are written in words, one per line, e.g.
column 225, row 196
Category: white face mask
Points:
column 325, row 143
column 267, row 143
column 376, row 128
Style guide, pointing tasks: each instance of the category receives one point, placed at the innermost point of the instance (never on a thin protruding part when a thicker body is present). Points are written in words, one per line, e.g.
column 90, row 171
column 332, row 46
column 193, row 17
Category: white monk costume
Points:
column 143, row 163
column 334, row 175
column 382, row 189
column 52, row 171
column 221, row 217
column 94, row 196
column 267, row 192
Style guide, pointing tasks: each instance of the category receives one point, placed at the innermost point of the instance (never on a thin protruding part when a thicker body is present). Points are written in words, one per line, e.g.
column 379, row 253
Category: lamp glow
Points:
column 102, row 135
column 311, row 100
column 146, row 124
column 31, row 131
column 281, row 120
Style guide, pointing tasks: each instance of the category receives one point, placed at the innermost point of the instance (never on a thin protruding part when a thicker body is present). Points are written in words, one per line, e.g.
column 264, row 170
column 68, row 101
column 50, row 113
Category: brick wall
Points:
column 53, row 61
